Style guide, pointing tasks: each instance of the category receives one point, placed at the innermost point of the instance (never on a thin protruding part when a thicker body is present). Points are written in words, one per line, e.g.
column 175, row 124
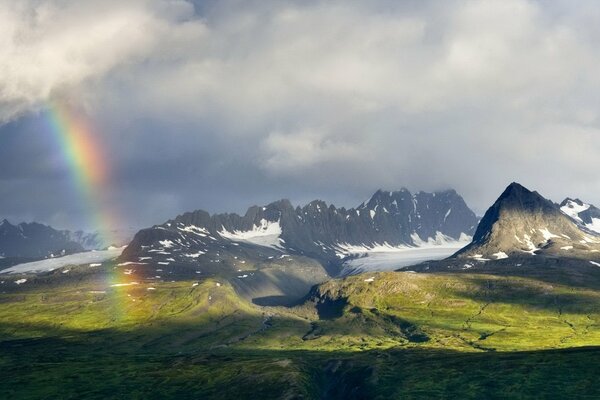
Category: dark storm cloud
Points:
column 219, row 105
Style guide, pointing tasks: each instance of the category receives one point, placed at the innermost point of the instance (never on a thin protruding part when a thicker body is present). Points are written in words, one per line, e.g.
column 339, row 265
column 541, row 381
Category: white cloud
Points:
column 336, row 94
column 294, row 151
column 48, row 47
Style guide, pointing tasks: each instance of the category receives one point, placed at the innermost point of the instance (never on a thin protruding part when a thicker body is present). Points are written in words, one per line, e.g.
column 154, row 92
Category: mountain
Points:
column 586, row 215
column 316, row 230
column 522, row 222
column 277, row 249
column 34, row 241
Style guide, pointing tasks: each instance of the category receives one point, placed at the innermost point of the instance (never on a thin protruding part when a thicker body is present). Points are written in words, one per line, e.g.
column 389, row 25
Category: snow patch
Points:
column 265, row 234
column 167, row 244
column 595, row 263
column 126, row 263
column 124, row 284
column 195, row 230
column 547, row 234
column 594, row 225
column 194, row 255
column 532, row 248
column 500, row 255
column 60, row 262
column 447, row 213
column 573, row 209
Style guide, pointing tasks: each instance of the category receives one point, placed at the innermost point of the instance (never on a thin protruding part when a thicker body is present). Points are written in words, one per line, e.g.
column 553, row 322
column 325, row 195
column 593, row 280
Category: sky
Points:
column 219, row 105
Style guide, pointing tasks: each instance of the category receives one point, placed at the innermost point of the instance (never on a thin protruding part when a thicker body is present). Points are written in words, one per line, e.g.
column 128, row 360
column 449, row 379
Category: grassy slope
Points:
column 401, row 335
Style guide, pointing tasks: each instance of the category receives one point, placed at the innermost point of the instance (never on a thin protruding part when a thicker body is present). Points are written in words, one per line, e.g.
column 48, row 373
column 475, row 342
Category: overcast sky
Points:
column 220, row 105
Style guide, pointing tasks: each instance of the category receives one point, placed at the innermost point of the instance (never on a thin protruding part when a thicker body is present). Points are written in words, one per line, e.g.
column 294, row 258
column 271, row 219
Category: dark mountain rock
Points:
column 316, row 230
column 34, row 241
column 524, row 222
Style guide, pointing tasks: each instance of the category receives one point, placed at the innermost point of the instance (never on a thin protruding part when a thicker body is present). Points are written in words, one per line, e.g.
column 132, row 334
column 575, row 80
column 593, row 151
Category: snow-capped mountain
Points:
column 33, row 240
column 317, row 230
column 586, row 215
column 522, row 222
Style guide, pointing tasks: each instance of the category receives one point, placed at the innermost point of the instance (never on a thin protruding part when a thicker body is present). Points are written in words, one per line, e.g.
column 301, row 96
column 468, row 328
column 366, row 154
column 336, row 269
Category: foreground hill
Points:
column 101, row 332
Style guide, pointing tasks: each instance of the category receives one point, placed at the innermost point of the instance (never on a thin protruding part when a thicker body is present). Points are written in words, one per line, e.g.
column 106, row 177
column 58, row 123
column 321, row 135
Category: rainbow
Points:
column 85, row 157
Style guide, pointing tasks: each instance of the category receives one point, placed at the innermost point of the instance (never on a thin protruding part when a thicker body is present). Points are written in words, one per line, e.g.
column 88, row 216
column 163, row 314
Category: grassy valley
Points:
column 380, row 335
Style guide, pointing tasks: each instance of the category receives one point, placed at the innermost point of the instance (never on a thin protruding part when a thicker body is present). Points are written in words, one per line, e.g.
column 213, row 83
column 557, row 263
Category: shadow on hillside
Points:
column 563, row 271
column 530, row 293
column 117, row 364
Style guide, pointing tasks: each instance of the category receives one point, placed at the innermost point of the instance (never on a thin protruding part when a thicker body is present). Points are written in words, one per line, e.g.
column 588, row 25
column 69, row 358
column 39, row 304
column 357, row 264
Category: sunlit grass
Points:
column 200, row 337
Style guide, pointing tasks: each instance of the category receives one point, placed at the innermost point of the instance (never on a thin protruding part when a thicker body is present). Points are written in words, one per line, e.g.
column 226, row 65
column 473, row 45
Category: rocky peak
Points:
column 523, row 221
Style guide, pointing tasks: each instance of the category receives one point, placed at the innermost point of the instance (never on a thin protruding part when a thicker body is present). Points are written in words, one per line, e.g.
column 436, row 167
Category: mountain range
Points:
column 280, row 251
column 516, row 311
column 317, row 230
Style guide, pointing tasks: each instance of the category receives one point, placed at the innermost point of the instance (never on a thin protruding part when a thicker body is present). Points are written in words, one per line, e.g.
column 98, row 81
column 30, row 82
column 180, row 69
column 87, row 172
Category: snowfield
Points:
column 384, row 258
column 573, row 209
column 89, row 257
column 266, row 234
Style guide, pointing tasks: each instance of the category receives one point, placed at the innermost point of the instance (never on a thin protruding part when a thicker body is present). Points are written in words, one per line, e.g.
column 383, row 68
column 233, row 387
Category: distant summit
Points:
column 522, row 221
column 586, row 215
column 34, row 241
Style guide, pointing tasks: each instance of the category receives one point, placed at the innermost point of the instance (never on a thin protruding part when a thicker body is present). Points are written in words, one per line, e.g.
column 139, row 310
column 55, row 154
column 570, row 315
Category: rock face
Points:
column 523, row 222
column 276, row 253
column 317, row 230
column 34, row 241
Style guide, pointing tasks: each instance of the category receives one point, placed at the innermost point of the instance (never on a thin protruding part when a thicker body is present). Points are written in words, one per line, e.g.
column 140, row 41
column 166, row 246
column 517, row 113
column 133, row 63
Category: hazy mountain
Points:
column 33, row 240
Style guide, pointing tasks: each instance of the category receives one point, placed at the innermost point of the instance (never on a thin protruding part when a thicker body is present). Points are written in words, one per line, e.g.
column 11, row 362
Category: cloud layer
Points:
column 220, row 104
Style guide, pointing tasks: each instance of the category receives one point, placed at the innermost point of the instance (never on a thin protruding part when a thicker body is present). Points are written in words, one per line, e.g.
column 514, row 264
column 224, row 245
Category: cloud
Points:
column 256, row 100
column 52, row 46
column 294, row 151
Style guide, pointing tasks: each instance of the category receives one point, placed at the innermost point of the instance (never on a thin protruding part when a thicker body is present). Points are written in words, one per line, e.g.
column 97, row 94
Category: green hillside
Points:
column 383, row 335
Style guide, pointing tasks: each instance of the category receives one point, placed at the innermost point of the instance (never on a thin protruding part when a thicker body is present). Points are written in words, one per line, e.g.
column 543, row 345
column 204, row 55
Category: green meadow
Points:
column 384, row 335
